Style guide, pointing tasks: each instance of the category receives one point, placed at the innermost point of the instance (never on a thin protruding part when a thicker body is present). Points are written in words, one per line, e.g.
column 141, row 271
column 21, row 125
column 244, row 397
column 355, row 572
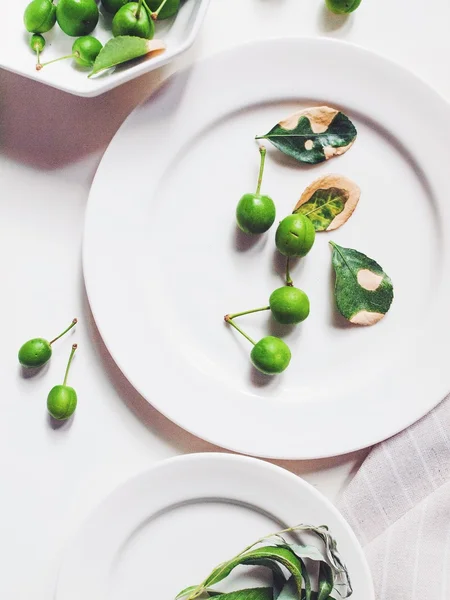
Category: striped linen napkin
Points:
column 398, row 504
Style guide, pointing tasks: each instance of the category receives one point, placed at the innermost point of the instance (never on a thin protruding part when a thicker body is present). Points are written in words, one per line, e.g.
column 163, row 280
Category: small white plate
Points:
column 167, row 528
column 15, row 54
column 163, row 260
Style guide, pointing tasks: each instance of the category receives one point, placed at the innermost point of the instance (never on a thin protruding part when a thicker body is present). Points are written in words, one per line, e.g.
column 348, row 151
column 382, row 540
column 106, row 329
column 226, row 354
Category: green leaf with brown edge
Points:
column 363, row 291
column 122, row 49
column 329, row 201
column 313, row 135
column 326, row 581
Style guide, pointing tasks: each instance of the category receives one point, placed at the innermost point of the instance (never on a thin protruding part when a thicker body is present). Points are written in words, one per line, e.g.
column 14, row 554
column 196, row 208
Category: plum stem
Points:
column 248, row 312
column 74, row 322
column 233, row 324
column 40, row 66
column 138, row 10
column 160, row 7
column 289, row 281
column 262, row 151
column 74, row 347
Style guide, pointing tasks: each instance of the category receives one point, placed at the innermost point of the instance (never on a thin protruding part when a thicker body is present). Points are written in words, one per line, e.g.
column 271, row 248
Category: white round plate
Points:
column 169, row 527
column 163, row 259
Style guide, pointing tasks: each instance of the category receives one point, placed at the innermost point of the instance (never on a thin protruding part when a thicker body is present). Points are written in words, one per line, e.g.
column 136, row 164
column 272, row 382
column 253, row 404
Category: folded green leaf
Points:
column 313, row 135
column 329, row 202
column 289, row 592
column 282, row 556
column 278, row 578
column 123, row 48
column 326, row 581
column 250, row 594
column 363, row 291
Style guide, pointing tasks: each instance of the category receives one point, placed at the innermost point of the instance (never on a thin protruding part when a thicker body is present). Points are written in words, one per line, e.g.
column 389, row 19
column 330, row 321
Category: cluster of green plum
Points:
column 62, row 399
column 79, row 18
column 295, row 235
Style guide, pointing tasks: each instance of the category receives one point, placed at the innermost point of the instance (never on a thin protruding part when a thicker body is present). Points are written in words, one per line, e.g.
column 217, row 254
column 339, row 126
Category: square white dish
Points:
column 178, row 33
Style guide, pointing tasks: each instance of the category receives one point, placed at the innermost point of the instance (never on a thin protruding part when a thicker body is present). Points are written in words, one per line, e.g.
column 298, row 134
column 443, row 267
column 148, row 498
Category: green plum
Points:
column 62, row 399
column 255, row 213
column 342, row 7
column 39, row 16
column 77, row 17
column 295, row 235
column 85, row 50
column 37, row 44
column 132, row 19
column 289, row 305
column 271, row 355
column 36, row 352
column 164, row 10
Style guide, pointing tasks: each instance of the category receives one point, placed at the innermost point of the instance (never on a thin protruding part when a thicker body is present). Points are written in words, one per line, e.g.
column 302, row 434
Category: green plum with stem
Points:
column 170, row 8
column 136, row 19
column 342, row 7
column 133, row 19
column 37, row 351
column 77, row 17
column 39, row 16
column 37, row 44
column 85, row 50
column 288, row 305
column 271, row 355
column 62, row 399
column 255, row 213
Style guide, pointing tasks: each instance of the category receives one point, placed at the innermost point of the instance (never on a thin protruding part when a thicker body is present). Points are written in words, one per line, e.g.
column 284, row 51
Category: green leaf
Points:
column 324, row 206
column 363, row 291
column 209, row 593
column 289, row 592
column 250, row 594
column 326, row 581
column 123, row 48
column 282, row 556
column 313, row 135
column 278, row 578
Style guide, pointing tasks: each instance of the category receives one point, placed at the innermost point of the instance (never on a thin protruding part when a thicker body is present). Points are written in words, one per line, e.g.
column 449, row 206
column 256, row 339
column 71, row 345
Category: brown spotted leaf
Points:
column 363, row 291
column 329, row 201
column 313, row 135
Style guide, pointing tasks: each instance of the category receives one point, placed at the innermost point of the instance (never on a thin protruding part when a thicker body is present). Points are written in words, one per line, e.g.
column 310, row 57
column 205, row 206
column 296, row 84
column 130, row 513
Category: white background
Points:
column 50, row 146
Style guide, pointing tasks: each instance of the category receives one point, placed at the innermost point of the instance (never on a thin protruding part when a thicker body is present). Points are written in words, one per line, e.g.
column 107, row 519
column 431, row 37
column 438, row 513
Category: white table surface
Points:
column 50, row 146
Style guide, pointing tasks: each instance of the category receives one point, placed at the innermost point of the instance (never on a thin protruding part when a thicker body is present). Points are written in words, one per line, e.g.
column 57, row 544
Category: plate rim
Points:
column 199, row 460
column 295, row 455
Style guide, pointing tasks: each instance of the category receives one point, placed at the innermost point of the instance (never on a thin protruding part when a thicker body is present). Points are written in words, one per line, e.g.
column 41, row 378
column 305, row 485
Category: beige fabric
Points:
column 399, row 507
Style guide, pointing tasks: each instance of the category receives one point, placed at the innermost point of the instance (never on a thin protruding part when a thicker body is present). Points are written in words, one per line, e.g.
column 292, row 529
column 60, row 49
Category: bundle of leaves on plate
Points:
column 299, row 571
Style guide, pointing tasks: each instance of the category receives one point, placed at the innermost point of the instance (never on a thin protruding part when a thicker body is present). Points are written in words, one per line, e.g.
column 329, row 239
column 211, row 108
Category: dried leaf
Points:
column 123, row 48
column 363, row 291
column 329, row 201
column 313, row 135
